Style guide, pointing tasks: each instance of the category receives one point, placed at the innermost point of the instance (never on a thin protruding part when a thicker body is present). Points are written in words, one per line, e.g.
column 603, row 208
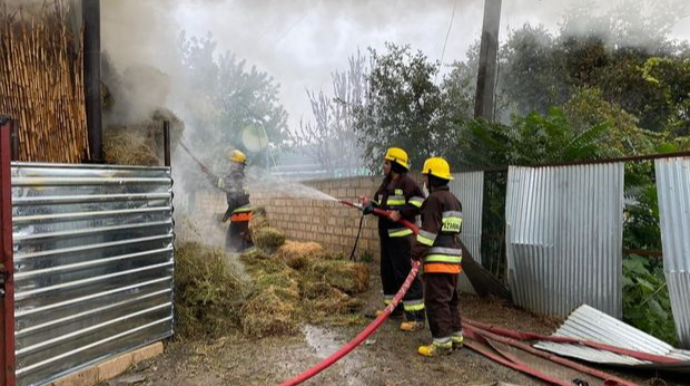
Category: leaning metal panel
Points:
column 673, row 185
column 93, row 259
column 564, row 230
column 469, row 189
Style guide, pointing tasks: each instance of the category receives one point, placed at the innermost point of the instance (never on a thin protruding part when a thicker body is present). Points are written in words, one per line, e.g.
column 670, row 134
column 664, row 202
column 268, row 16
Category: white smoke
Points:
column 301, row 42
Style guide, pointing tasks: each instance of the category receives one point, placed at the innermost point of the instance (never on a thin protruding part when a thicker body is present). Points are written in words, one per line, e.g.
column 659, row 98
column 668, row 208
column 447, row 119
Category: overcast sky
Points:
column 300, row 42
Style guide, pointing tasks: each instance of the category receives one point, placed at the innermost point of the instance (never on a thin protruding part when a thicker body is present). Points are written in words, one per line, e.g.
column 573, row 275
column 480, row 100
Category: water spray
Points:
column 371, row 328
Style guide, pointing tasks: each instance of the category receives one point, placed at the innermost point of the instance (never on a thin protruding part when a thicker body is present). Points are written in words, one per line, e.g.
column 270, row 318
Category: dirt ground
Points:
column 388, row 358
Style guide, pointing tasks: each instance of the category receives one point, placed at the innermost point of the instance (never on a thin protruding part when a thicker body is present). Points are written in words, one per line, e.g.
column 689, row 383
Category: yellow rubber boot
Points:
column 412, row 325
column 436, row 349
column 458, row 341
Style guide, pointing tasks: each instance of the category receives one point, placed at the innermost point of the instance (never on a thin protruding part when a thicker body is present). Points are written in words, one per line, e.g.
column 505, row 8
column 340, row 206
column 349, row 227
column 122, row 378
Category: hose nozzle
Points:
column 352, row 204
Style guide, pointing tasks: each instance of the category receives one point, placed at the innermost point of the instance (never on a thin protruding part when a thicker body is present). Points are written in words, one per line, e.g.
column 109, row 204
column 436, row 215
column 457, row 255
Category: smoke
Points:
column 301, row 42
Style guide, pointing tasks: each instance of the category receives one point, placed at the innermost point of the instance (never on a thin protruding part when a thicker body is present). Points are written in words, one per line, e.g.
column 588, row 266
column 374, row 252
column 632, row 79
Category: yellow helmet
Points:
column 397, row 155
column 236, row 156
column 438, row 167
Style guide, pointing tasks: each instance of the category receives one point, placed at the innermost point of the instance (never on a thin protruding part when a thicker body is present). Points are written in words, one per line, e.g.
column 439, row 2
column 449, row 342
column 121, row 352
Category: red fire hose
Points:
column 371, row 328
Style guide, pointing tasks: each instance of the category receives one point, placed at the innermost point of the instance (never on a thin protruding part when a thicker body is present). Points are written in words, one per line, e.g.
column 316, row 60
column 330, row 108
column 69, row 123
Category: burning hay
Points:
column 141, row 143
column 126, row 147
column 258, row 221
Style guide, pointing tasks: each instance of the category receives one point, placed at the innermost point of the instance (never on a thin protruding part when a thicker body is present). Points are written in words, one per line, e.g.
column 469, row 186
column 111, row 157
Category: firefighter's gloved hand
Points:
column 368, row 209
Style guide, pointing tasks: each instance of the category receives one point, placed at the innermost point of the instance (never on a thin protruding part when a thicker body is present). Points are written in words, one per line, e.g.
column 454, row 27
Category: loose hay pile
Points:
column 292, row 283
column 268, row 238
column 297, row 283
column 127, row 147
column 207, row 295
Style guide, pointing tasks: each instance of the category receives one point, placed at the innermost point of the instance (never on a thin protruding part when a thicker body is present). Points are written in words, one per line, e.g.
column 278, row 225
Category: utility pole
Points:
column 488, row 54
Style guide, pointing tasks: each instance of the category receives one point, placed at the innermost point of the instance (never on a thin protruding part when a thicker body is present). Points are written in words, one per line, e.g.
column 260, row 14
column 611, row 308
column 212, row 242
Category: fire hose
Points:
column 371, row 328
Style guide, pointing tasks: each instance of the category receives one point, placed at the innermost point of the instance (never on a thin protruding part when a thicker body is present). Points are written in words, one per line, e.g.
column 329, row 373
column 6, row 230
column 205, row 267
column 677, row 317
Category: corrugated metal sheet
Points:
column 673, row 185
column 564, row 230
column 93, row 252
column 469, row 189
column 587, row 323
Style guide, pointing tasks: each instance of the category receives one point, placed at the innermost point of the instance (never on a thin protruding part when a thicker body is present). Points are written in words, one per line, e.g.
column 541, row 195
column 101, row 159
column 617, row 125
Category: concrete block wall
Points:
column 329, row 223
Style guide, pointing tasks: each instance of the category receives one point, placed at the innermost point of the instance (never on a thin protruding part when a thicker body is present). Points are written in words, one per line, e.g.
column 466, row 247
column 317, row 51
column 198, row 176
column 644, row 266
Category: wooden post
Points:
column 91, row 13
column 486, row 78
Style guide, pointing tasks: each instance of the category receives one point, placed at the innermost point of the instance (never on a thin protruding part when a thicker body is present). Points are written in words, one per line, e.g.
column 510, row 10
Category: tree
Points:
column 670, row 79
column 586, row 108
column 530, row 74
column 228, row 104
column 331, row 137
column 404, row 108
column 531, row 140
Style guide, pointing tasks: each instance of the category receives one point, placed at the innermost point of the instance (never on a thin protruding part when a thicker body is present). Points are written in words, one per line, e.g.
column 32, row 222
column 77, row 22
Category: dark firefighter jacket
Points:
column 403, row 195
column 236, row 194
column 438, row 240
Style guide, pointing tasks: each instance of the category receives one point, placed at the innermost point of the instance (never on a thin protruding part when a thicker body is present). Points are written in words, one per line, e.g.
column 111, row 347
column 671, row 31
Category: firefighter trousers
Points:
column 396, row 263
column 441, row 300
column 237, row 238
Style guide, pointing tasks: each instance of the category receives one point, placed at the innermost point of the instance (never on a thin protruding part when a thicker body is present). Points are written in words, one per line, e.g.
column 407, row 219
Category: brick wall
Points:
column 328, row 223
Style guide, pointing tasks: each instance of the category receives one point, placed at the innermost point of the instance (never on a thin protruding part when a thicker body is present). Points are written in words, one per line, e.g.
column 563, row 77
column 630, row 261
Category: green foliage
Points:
column 670, row 79
column 531, row 140
column 587, row 108
column 367, row 257
column 404, row 107
column 641, row 227
column 646, row 302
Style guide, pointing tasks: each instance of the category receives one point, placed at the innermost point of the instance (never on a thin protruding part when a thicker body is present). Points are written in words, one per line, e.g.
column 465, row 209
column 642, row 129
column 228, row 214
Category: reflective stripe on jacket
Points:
column 437, row 241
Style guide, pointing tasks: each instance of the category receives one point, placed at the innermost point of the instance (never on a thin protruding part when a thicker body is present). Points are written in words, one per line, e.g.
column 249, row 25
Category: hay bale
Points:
column 312, row 290
column 126, row 147
column 283, row 282
column 259, row 220
column 268, row 238
column 268, row 314
column 207, row 294
column 297, row 255
column 273, row 308
column 336, row 301
column 351, row 278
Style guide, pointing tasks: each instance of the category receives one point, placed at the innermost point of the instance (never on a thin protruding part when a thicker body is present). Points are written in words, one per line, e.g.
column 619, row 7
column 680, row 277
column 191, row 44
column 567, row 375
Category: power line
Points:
column 292, row 27
column 452, row 18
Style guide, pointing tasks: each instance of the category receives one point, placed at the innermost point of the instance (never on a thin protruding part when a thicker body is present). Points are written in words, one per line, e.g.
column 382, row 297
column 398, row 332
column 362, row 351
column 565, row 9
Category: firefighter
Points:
column 439, row 246
column 401, row 195
column 239, row 210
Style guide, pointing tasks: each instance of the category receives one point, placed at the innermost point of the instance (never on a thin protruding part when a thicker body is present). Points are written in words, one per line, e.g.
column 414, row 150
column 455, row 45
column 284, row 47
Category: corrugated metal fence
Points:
column 673, row 185
column 93, row 259
column 564, row 236
column 469, row 189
